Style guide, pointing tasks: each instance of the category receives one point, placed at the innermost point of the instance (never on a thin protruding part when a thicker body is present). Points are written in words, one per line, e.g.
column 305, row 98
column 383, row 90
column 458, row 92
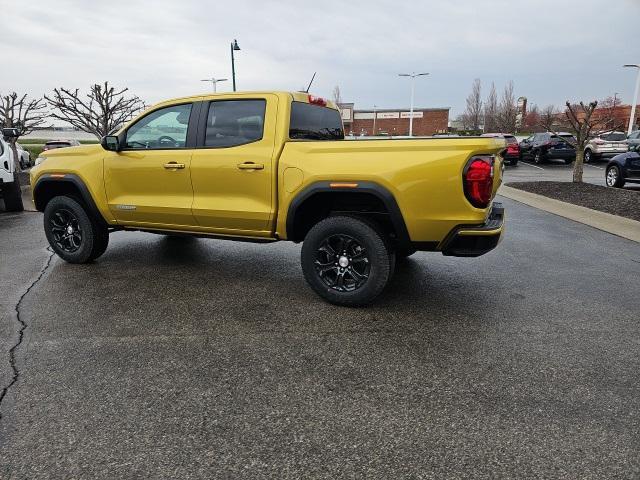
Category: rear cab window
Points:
column 314, row 122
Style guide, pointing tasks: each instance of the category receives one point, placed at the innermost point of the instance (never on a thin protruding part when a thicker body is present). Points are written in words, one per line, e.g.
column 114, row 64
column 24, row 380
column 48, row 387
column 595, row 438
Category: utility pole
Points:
column 214, row 81
column 234, row 47
column 632, row 117
column 413, row 78
column 374, row 119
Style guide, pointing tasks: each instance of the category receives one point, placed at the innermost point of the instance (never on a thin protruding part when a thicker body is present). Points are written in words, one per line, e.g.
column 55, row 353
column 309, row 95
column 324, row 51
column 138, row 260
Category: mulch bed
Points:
column 616, row 201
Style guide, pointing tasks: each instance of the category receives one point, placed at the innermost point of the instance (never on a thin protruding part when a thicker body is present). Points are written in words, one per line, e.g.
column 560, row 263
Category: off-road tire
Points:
column 364, row 235
column 12, row 195
column 91, row 235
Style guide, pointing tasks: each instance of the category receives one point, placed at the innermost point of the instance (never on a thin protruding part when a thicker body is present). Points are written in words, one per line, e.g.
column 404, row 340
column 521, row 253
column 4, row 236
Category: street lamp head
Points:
column 404, row 75
column 632, row 65
column 420, row 74
column 234, row 45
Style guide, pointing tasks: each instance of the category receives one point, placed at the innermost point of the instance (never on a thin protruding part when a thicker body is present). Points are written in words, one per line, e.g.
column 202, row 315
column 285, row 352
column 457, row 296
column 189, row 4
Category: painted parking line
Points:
column 534, row 166
column 593, row 166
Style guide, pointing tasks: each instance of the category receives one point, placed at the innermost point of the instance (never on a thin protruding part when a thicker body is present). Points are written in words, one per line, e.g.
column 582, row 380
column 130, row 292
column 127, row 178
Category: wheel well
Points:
column 321, row 205
column 46, row 191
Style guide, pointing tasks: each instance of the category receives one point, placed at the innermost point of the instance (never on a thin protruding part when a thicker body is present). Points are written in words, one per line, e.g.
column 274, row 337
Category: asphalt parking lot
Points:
column 557, row 170
column 198, row 358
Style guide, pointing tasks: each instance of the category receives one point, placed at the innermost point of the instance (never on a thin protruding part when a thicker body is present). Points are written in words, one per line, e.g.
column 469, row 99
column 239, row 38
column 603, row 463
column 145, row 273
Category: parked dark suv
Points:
column 542, row 146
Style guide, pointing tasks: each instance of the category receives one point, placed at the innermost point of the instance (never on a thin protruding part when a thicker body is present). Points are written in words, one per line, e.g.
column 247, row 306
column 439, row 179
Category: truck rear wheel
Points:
column 346, row 261
column 12, row 195
column 72, row 233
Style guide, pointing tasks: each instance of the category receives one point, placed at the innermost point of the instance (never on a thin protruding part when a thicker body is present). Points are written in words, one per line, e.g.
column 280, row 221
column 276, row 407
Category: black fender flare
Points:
column 48, row 179
column 372, row 188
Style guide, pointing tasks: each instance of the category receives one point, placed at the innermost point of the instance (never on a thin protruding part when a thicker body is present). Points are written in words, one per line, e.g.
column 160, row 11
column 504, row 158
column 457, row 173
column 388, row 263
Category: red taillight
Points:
column 513, row 148
column 478, row 181
column 317, row 101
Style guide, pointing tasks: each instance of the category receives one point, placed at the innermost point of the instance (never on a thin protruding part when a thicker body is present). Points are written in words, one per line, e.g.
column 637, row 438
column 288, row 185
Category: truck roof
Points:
column 297, row 96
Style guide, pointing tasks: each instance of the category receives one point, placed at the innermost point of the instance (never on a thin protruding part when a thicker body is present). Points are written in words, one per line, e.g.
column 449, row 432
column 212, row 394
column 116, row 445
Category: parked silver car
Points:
column 605, row 145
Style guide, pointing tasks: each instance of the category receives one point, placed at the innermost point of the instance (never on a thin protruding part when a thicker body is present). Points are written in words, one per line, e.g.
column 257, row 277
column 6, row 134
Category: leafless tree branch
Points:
column 100, row 112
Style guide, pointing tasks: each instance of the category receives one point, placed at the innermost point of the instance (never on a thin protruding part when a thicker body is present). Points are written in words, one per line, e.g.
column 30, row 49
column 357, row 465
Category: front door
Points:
column 233, row 169
column 148, row 183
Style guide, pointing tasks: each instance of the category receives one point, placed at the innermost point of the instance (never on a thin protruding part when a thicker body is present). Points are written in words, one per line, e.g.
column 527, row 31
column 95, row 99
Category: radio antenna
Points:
column 314, row 76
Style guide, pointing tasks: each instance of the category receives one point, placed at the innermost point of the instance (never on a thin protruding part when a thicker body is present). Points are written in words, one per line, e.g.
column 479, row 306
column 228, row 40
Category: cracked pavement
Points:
column 188, row 358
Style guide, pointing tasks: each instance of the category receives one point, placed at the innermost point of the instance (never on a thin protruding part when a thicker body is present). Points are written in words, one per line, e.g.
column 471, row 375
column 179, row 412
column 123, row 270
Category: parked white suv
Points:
column 605, row 145
column 9, row 179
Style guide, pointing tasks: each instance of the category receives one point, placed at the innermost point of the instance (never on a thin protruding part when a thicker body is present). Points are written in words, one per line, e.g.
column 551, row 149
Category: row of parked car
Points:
column 621, row 151
column 541, row 147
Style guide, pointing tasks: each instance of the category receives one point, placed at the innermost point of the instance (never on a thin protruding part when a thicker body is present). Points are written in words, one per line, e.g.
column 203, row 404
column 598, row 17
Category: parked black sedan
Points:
column 542, row 146
column 623, row 168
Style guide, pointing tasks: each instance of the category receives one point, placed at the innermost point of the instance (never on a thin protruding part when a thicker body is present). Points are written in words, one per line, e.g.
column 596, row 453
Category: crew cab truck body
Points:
column 268, row 166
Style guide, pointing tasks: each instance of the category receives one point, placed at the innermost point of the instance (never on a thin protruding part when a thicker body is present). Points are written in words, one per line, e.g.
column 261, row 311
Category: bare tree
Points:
column 506, row 116
column 337, row 98
column 100, row 112
column 23, row 114
column 579, row 120
column 472, row 116
column 491, row 110
column 609, row 114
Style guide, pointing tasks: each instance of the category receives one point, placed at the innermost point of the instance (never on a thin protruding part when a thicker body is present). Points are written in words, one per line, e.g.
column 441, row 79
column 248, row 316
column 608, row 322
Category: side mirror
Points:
column 110, row 143
column 10, row 133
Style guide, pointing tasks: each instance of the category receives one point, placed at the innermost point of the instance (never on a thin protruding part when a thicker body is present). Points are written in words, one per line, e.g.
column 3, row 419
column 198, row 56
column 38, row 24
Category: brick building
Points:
column 395, row 121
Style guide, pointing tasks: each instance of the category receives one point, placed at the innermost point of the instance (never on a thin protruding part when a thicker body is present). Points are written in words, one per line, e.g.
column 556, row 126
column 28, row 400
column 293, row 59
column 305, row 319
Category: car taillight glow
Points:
column 317, row 101
column 478, row 181
column 513, row 148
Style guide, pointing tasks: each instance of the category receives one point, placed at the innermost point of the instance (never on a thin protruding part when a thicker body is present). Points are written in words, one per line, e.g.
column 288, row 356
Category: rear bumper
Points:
column 564, row 154
column 476, row 240
column 607, row 153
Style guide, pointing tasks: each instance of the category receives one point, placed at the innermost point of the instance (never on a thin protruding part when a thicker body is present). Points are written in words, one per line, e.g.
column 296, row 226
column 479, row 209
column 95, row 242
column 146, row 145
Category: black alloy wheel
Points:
column 347, row 260
column 66, row 230
column 75, row 235
column 342, row 263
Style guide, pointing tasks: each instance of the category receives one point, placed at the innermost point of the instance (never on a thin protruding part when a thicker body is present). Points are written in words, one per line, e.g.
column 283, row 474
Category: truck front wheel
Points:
column 72, row 233
column 346, row 261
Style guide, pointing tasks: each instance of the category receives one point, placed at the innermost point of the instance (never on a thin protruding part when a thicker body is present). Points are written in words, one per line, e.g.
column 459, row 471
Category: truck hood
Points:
column 72, row 151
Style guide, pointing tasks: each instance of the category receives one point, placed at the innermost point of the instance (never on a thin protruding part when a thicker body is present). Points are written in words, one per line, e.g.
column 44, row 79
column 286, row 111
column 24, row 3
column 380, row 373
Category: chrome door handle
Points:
column 173, row 165
column 250, row 166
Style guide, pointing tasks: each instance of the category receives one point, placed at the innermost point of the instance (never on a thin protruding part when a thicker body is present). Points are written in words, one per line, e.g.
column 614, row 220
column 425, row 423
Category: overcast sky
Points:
column 553, row 50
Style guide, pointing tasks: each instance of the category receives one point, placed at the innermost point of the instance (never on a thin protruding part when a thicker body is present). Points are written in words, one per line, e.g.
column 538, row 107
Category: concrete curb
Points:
column 620, row 226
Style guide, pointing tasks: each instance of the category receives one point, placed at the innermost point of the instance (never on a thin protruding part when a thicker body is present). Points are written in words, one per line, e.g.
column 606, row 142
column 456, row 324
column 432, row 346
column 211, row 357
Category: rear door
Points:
column 233, row 169
column 148, row 183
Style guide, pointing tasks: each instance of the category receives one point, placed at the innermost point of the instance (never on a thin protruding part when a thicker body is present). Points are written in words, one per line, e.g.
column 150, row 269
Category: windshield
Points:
column 614, row 137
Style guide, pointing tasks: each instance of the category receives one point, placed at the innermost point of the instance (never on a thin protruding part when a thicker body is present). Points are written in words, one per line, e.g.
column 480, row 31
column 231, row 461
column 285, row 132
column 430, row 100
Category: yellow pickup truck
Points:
column 269, row 166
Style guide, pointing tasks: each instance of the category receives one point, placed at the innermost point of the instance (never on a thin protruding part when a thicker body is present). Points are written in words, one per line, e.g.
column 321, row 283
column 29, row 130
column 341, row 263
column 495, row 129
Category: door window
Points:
column 163, row 128
column 234, row 122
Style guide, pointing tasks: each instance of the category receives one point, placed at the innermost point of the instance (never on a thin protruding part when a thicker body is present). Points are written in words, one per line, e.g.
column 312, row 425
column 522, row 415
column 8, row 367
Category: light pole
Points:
column 413, row 78
column 635, row 98
column 234, row 47
column 214, row 81
column 374, row 119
